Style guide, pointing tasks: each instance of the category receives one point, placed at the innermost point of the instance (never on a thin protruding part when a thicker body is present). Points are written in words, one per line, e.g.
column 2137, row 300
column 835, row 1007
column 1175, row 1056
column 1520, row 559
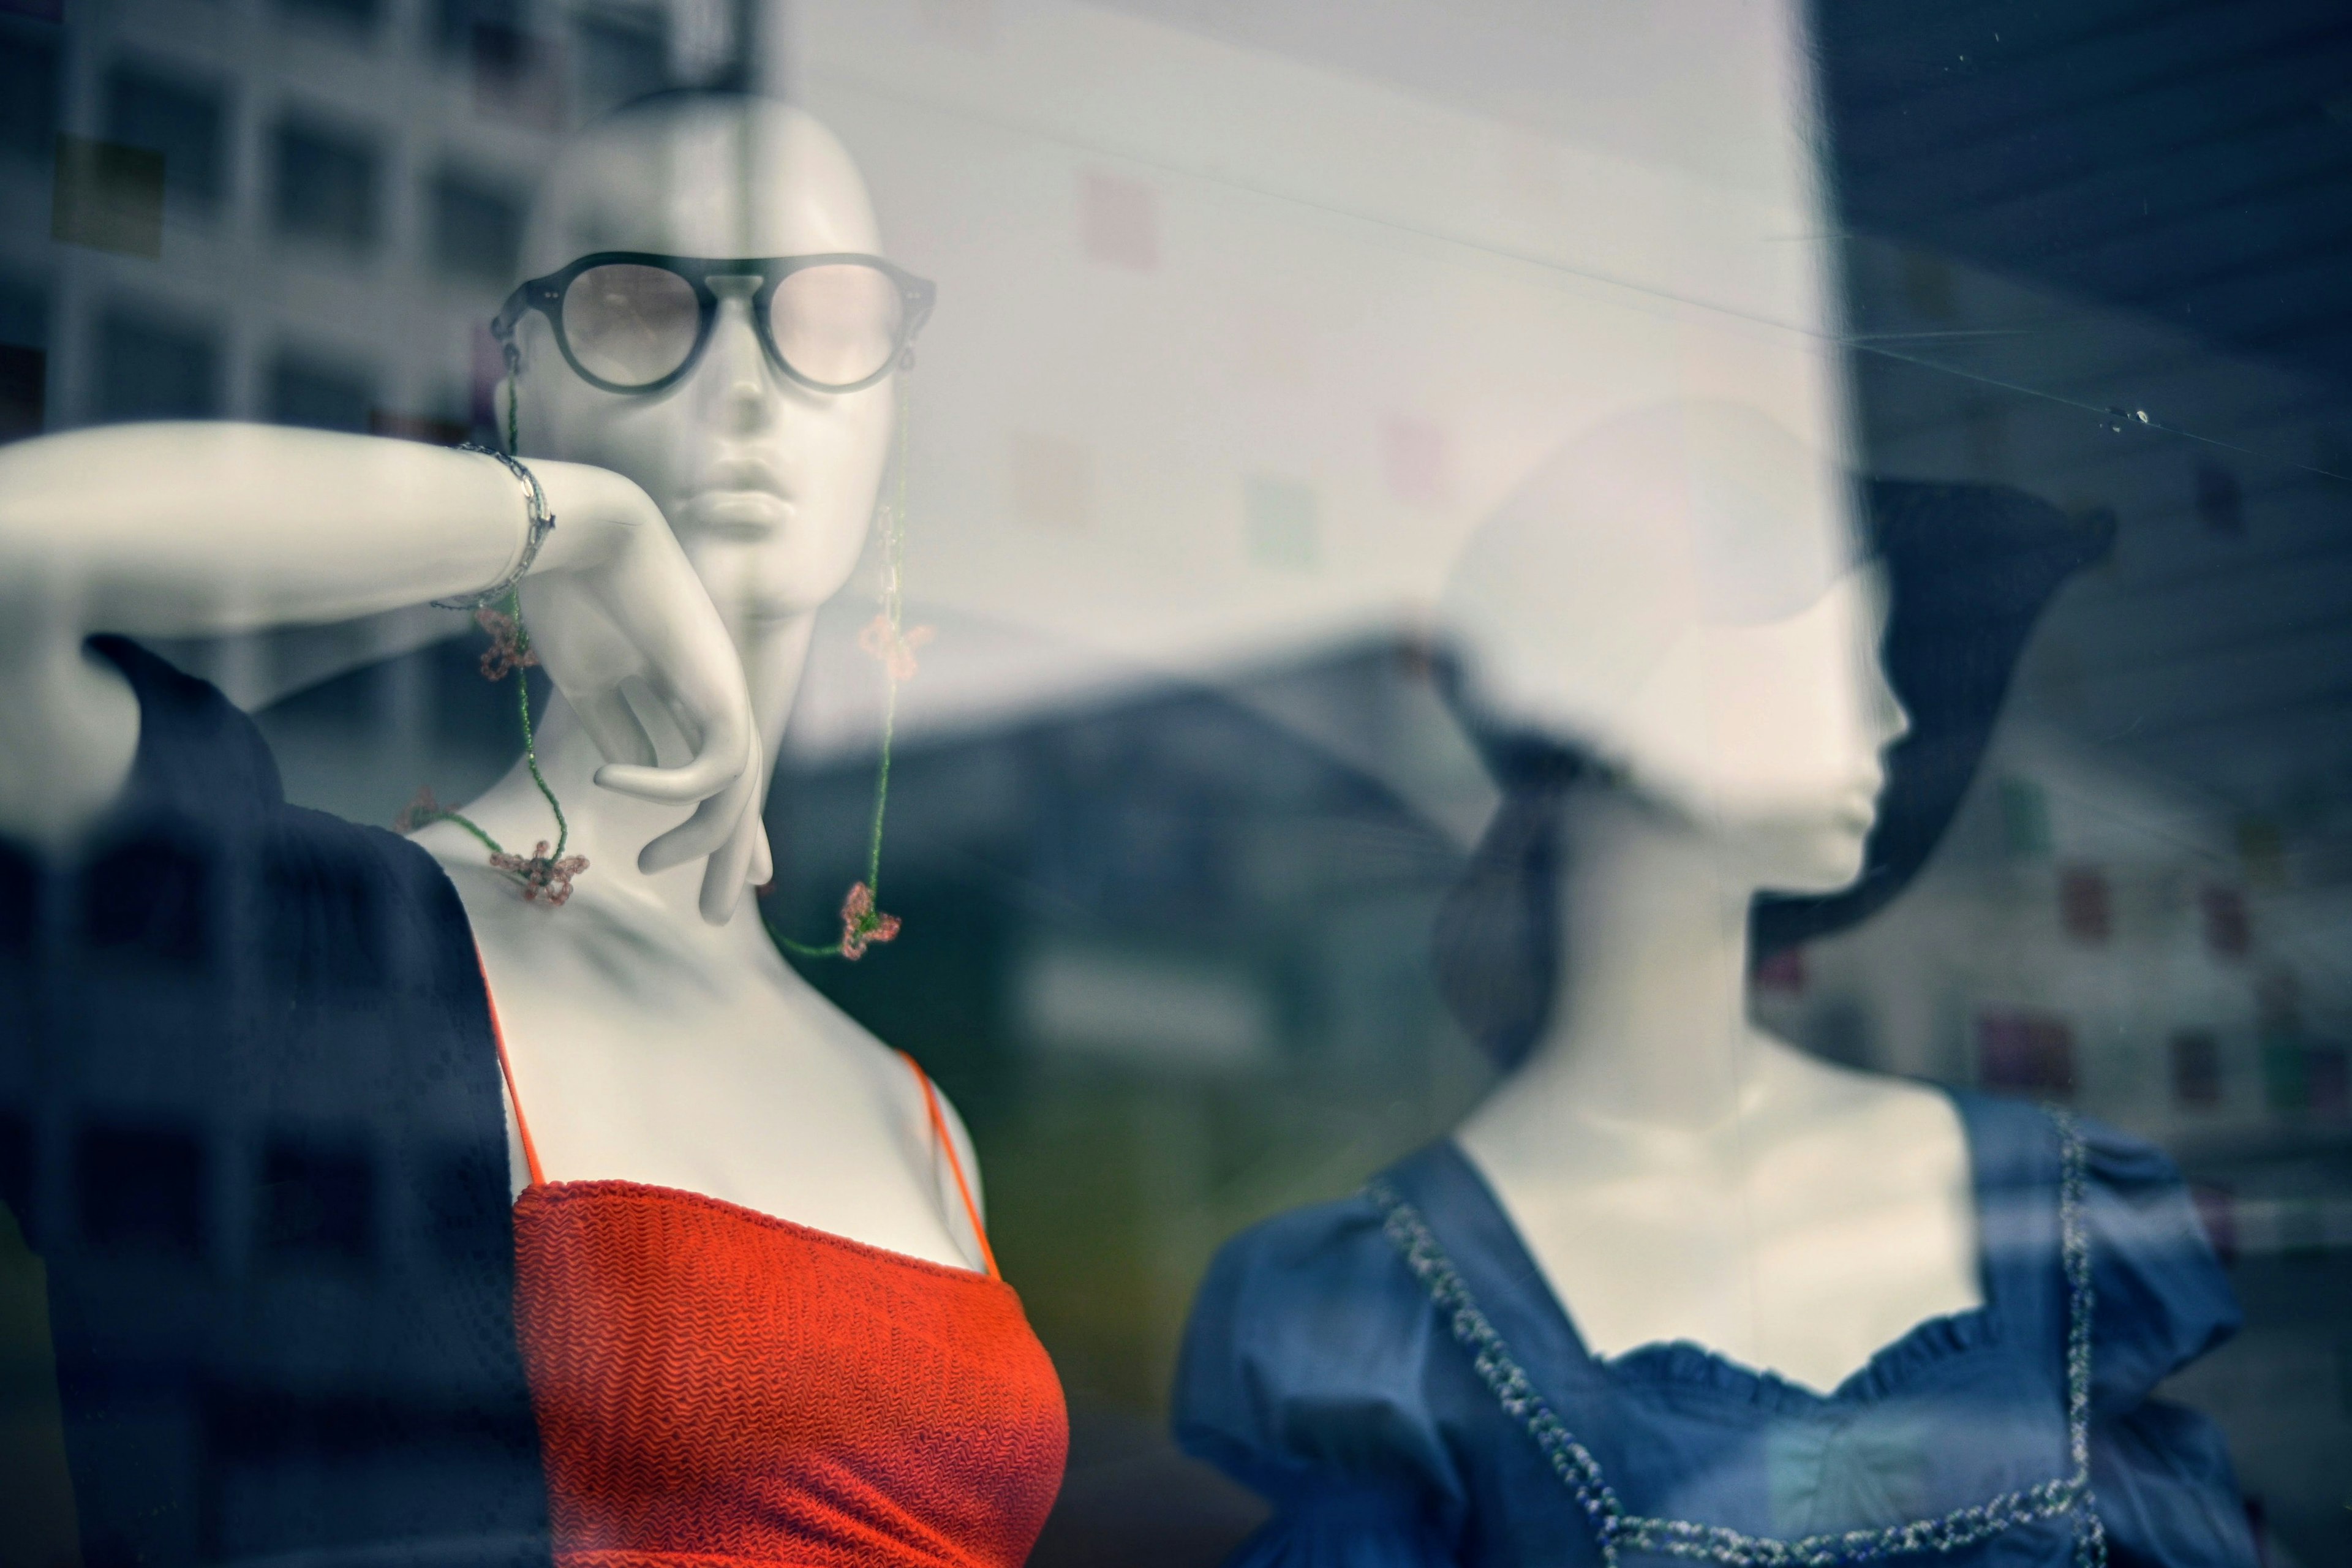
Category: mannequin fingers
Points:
column 613, row 726
column 703, row 777
column 703, row 833
column 763, row 862
column 729, row 749
column 724, row 879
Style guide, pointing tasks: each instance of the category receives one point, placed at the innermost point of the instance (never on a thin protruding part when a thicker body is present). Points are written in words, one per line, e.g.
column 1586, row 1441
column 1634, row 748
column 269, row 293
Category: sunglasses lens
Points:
column 836, row 324
column 631, row 325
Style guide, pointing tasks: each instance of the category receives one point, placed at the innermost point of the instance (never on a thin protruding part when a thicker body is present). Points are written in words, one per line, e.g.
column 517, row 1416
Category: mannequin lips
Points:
column 745, row 513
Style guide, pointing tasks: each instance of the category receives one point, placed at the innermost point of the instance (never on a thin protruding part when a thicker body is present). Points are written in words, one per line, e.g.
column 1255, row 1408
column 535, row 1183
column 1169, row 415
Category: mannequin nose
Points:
column 747, row 394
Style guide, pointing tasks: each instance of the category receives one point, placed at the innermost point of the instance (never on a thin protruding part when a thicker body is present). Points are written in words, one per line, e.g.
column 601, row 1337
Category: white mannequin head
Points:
column 1677, row 596
column 768, row 484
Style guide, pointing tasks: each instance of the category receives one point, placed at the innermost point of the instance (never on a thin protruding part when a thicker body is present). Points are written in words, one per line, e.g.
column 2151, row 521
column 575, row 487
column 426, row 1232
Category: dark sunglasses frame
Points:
column 545, row 295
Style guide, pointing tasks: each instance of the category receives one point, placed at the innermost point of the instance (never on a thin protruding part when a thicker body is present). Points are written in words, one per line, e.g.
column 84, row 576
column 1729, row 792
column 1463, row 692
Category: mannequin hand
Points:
column 612, row 599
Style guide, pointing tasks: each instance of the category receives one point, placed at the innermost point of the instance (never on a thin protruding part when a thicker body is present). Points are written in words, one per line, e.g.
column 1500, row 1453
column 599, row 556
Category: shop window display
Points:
column 1596, row 756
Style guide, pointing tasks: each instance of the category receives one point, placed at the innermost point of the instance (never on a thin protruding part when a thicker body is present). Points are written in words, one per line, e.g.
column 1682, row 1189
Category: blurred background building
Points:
column 1249, row 311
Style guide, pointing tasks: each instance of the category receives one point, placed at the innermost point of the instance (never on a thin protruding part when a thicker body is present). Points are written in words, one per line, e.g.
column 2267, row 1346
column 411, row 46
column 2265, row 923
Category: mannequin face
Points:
column 1676, row 594
column 769, row 485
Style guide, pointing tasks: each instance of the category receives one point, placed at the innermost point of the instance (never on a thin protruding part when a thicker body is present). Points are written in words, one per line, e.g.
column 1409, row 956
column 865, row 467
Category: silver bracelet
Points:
column 543, row 523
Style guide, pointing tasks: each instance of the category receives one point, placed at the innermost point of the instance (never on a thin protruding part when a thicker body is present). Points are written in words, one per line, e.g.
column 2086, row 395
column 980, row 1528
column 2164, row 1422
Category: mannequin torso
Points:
column 1676, row 1173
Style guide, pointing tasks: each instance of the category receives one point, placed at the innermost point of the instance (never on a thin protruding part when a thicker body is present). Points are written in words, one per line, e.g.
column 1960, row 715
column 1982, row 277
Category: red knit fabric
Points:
column 716, row 1386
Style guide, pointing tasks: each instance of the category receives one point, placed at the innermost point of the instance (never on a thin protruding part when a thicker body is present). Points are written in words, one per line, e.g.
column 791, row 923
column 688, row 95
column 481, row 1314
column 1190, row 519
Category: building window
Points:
column 150, row 367
column 455, row 20
column 2085, row 906
column 141, row 1189
column 28, row 89
column 320, row 394
column 350, row 15
column 2196, row 1069
column 623, row 54
column 2228, row 933
column 477, row 230
column 182, row 121
column 24, row 359
column 2025, row 1052
column 107, row 195
column 326, row 186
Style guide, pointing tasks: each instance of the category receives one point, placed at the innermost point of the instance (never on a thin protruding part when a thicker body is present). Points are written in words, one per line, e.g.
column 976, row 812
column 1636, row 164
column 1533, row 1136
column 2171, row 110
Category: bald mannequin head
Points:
column 769, row 483
column 1675, row 594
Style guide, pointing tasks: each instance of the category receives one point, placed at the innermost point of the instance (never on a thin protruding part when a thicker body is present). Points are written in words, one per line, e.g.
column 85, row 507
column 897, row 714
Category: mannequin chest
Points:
column 1801, row 1243
column 642, row 1056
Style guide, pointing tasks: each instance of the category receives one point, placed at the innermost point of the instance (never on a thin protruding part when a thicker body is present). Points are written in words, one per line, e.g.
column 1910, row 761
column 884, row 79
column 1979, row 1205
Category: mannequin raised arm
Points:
column 194, row 529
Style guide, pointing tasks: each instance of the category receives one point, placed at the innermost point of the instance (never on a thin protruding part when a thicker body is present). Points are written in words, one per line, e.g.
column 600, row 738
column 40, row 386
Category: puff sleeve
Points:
column 2159, row 1472
column 1302, row 1376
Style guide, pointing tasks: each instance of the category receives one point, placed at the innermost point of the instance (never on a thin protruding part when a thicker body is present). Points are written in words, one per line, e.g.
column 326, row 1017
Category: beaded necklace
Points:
column 1616, row 1530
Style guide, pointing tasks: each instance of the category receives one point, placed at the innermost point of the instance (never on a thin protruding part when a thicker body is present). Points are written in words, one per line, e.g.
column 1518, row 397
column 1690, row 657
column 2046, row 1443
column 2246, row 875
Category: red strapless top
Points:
column 718, row 1387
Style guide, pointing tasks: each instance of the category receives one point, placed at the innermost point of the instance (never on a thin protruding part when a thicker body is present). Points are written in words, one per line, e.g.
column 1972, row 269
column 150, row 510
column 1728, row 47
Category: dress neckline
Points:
column 1617, row 1529
column 1933, row 1339
column 592, row 1188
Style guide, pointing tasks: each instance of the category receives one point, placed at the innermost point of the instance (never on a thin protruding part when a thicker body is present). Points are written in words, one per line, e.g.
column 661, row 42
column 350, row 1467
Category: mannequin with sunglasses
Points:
column 749, row 1240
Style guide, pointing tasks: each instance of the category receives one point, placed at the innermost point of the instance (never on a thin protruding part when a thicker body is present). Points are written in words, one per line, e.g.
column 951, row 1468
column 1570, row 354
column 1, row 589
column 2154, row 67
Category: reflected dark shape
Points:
column 326, row 189
column 1969, row 570
column 148, row 899
column 153, row 367
column 140, row 1188
column 181, row 120
column 322, row 1406
column 318, row 1203
column 341, row 946
column 464, row 1201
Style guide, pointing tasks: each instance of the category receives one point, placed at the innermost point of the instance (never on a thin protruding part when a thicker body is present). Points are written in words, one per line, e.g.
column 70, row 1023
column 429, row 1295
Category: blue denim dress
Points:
column 1392, row 1372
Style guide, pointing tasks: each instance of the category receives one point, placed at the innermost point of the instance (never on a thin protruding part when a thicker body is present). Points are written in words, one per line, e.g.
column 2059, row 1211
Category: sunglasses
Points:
column 632, row 320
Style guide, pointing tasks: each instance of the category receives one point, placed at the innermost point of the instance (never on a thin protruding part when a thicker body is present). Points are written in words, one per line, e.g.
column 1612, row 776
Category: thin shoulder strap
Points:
column 955, row 1165
column 506, row 1070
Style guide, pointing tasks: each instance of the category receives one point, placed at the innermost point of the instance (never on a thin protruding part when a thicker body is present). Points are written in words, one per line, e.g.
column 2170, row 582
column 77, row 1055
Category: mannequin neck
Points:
column 1650, row 1028
column 608, row 828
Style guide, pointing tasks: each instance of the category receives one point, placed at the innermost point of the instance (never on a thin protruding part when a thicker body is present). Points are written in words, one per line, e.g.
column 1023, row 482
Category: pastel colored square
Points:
column 1413, row 460
column 1118, row 220
column 1052, row 480
column 1283, row 523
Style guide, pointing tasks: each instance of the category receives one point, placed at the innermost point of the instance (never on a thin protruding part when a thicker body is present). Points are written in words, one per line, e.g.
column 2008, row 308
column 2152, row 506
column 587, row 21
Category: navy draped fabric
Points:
column 250, row 1122
column 1317, row 1370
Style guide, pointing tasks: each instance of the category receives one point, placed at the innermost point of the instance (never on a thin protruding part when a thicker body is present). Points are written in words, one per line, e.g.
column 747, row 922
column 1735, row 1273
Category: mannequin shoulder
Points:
column 1895, row 1123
